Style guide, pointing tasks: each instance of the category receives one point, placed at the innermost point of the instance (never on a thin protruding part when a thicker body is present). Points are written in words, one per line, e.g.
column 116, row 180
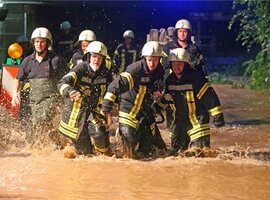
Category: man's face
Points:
column 40, row 44
column 152, row 62
column 128, row 40
column 84, row 45
column 182, row 34
column 96, row 60
column 66, row 31
column 178, row 67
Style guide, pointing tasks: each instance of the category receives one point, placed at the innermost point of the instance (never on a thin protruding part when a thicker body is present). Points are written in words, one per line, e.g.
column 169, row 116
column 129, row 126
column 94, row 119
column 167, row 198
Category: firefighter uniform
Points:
column 77, row 58
column 64, row 46
column 191, row 98
column 136, row 120
column 196, row 57
column 87, row 36
column 124, row 57
column 76, row 122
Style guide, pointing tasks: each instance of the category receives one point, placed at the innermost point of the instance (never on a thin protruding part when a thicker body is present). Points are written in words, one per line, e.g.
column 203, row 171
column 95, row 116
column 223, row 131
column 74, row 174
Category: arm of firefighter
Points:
column 72, row 63
column 120, row 85
column 200, row 64
column 207, row 95
column 67, row 83
column 15, row 95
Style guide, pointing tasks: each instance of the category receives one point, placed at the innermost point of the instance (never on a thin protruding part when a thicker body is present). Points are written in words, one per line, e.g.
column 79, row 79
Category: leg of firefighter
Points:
column 175, row 141
column 83, row 143
column 100, row 134
column 145, row 138
column 158, row 141
column 201, row 142
column 169, row 116
column 128, row 140
column 101, row 139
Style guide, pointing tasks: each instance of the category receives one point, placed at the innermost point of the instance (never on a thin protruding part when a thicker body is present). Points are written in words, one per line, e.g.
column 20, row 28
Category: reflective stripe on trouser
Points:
column 199, row 131
column 97, row 129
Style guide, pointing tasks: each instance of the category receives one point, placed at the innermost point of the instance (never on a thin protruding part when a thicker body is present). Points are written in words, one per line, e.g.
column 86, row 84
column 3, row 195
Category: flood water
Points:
column 46, row 174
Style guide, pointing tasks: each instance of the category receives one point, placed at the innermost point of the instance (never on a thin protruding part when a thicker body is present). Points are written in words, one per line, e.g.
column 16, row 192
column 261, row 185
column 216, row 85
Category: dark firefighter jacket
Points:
column 190, row 98
column 124, row 57
column 92, row 86
column 64, row 46
column 77, row 58
column 197, row 59
column 135, row 87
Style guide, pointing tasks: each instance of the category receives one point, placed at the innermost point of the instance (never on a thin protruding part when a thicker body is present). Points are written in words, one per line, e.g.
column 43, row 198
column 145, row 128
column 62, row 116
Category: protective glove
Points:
column 218, row 120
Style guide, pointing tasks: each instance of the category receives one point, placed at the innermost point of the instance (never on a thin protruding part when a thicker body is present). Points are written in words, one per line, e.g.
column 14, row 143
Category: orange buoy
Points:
column 15, row 50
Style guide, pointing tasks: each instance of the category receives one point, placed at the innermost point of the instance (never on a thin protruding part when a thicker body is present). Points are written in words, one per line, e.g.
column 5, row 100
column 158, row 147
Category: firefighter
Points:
column 182, row 39
column 126, row 53
column 85, row 38
column 43, row 69
column 135, row 87
column 84, row 88
column 64, row 44
column 191, row 97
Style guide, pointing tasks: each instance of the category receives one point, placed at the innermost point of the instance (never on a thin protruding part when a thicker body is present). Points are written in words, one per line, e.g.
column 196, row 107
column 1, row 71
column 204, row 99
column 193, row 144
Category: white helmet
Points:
column 152, row 48
column 128, row 34
column 97, row 47
column 183, row 23
column 42, row 33
column 87, row 35
column 179, row 54
column 65, row 25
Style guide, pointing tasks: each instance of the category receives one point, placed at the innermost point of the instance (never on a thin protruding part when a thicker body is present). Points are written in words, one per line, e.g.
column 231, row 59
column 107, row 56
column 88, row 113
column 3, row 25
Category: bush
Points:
column 254, row 19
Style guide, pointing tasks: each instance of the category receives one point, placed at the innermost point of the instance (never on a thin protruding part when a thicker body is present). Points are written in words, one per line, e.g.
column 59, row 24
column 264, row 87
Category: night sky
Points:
column 110, row 19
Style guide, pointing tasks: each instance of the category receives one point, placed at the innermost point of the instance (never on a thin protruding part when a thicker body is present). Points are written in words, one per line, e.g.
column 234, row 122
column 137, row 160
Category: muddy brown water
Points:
column 46, row 174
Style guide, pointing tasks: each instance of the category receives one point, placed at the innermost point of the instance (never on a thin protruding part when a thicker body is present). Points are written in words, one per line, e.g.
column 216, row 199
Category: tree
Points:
column 254, row 29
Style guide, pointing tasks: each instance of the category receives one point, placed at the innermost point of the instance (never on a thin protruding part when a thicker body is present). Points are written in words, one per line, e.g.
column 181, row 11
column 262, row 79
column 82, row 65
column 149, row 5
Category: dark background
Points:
column 109, row 19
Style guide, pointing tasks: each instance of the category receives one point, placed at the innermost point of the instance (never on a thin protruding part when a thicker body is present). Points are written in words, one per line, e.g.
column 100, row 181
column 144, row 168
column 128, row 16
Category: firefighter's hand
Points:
column 107, row 117
column 74, row 95
column 15, row 100
column 218, row 120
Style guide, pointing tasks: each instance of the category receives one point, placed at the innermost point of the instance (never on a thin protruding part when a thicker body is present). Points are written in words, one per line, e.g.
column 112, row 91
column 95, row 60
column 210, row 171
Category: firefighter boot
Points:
column 201, row 142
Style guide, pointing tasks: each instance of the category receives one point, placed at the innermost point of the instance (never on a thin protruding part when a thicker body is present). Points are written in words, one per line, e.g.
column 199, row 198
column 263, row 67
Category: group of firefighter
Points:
column 138, row 83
